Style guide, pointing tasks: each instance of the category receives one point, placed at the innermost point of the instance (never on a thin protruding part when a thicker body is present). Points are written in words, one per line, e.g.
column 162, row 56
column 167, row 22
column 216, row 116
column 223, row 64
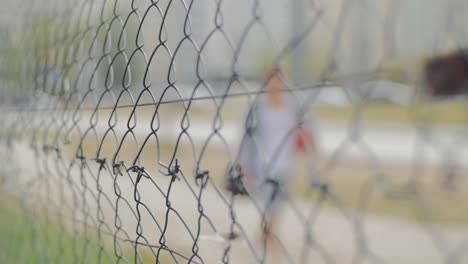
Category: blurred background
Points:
column 121, row 121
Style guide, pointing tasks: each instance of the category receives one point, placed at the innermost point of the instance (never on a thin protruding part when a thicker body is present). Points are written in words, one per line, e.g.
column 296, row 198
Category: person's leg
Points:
column 268, row 223
column 268, row 229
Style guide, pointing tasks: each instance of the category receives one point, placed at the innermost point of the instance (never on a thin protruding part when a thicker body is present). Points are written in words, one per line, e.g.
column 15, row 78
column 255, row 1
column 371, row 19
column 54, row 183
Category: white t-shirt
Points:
column 268, row 152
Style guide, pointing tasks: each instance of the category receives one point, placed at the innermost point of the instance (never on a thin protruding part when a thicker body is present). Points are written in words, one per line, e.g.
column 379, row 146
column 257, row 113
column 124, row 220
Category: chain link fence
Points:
column 249, row 131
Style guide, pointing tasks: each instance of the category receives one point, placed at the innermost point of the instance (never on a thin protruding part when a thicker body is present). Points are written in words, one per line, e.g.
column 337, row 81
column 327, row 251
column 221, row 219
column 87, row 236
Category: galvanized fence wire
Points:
column 122, row 122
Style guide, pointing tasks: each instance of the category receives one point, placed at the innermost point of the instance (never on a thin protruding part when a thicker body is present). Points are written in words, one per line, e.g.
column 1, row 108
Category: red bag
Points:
column 303, row 137
column 299, row 142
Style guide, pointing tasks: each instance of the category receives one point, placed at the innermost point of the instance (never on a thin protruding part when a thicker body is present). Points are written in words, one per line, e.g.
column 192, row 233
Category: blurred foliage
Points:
column 10, row 68
column 47, row 54
column 32, row 56
column 122, row 64
column 27, row 239
column 13, row 69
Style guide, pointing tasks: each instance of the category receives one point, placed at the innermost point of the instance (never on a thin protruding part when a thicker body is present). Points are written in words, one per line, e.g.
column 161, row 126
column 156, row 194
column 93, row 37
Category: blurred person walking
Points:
column 274, row 132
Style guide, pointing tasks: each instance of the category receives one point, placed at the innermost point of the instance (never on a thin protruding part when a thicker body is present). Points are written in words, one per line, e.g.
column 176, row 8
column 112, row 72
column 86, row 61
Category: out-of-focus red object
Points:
column 303, row 138
column 299, row 142
column 447, row 75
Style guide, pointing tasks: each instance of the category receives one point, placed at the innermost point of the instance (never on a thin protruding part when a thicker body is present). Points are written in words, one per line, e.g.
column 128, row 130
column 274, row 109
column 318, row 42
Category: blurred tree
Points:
column 123, row 64
column 14, row 70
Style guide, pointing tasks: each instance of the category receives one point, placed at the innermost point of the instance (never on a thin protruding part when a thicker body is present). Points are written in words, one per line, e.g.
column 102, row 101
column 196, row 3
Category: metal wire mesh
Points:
column 124, row 122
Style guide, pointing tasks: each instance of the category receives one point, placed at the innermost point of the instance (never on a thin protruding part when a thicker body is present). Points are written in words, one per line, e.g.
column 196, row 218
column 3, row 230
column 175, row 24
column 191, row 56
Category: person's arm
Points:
column 310, row 146
column 308, row 136
column 305, row 132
